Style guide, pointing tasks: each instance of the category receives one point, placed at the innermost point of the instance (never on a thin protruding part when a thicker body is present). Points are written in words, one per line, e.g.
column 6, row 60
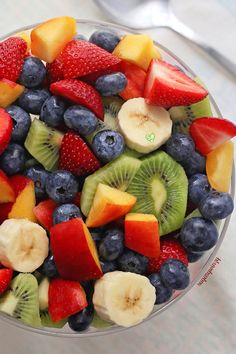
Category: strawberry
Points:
column 77, row 199
column 79, row 92
column 136, row 78
column 54, row 70
column 76, row 157
column 81, row 58
column 91, row 78
column 5, row 278
column 170, row 248
column 209, row 133
column 12, row 53
column 167, row 86
column 65, row 298
column 6, row 126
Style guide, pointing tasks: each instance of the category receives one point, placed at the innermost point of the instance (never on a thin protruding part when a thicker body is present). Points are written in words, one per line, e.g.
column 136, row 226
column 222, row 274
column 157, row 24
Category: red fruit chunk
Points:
column 65, row 298
column 55, row 70
column 209, row 133
column 19, row 183
column 91, row 78
column 4, row 211
column 81, row 58
column 167, row 86
column 77, row 199
column 79, row 92
column 5, row 129
column 76, row 157
column 44, row 212
column 7, row 193
column 12, row 53
column 136, row 79
column 169, row 249
column 5, row 278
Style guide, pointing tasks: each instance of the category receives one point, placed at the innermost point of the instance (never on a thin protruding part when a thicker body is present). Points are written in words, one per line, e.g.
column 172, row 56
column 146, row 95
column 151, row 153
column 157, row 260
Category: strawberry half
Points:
column 5, row 278
column 82, row 58
column 136, row 79
column 79, row 92
column 167, row 86
column 12, row 53
column 76, row 157
column 6, row 126
column 55, row 70
column 169, row 248
column 209, row 133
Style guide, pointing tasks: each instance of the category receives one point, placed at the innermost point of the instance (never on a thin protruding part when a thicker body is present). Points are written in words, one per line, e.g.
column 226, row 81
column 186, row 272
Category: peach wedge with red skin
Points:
column 7, row 193
column 141, row 234
column 109, row 204
column 74, row 251
column 49, row 38
column 9, row 92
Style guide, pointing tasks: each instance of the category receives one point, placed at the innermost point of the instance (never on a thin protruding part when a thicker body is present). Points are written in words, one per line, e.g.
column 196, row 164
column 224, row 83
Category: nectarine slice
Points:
column 9, row 92
column 7, row 193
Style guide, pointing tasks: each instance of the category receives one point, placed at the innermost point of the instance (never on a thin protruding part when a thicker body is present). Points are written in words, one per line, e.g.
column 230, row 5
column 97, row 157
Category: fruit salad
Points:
column 114, row 175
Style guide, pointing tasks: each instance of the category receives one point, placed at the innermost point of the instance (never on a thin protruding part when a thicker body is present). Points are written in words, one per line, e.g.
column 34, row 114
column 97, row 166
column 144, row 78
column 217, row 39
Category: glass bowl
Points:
column 198, row 269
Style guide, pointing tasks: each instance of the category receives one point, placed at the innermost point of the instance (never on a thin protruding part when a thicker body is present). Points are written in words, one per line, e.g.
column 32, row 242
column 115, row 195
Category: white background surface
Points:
column 204, row 321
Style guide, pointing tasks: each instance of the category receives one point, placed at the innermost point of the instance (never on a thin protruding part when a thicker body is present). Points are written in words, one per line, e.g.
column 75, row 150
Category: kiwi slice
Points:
column 22, row 301
column 100, row 323
column 117, row 174
column 112, row 105
column 132, row 153
column 100, row 127
column 43, row 144
column 48, row 322
column 183, row 116
column 161, row 188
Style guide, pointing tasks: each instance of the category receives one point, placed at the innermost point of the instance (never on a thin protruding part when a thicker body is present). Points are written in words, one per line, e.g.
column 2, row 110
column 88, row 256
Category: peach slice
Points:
column 7, row 193
column 49, row 38
column 219, row 164
column 109, row 204
column 141, row 234
column 9, row 92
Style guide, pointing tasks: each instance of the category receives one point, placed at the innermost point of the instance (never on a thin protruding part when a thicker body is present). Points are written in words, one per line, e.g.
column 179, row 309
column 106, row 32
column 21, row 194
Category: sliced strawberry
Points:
column 76, row 157
column 55, row 70
column 209, row 133
column 167, row 86
column 77, row 199
column 65, row 298
column 81, row 58
column 12, row 53
column 5, row 278
column 79, row 92
column 136, row 79
column 44, row 213
column 6, row 126
column 170, row 248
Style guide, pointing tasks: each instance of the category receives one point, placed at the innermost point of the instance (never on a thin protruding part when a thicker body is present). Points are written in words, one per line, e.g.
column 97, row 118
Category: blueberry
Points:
column 66, row 212
column 194, row 257
column 80, row 37
column 33, row 72
column 108, row 266
column 81, row 320
column 132, row 262
column 198, row 188
column 13, row 159
column 108, row 145
column 216, row 205
column 32, row 100
column 198, row 234
column 196, row 163
column 80, row 119
column 180, row 146
column 112, row 244
column 21, row 123
column 163, row 293
column 175, row 274
column 61, row 186
column 48, row 268
column 107, row 40
column 39, row 176
column 52, row 111
column 111, row 84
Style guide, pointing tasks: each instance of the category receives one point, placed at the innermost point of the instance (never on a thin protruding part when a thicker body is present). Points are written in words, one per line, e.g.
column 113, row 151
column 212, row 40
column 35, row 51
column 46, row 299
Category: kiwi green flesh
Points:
column 117, row 174
column 161, row 188
column 132, row 153
column 183, row 116
column 100, row 323
column 43, row 143
column 100, row 127
column 21, row 301
column 112, row 105
column 48, row 322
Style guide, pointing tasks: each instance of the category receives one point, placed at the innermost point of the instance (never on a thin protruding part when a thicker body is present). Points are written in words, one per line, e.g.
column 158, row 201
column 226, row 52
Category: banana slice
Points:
column 23, row 245
column 123, row 298
column 145, row 127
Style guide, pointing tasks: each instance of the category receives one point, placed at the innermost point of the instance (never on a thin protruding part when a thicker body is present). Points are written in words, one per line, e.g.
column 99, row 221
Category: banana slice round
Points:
column 145, row 127
column 23, row 245
column 124, row 298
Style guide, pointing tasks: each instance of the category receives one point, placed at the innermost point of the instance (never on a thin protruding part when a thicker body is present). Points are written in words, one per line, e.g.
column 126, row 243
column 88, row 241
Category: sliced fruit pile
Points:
column 104, row 149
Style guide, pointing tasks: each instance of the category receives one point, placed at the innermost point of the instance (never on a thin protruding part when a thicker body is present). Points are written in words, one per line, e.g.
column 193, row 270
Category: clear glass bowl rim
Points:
column 117, row 329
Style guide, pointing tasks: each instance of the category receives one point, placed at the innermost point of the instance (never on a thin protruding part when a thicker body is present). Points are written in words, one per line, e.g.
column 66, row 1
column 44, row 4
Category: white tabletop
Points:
column 204, row 321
